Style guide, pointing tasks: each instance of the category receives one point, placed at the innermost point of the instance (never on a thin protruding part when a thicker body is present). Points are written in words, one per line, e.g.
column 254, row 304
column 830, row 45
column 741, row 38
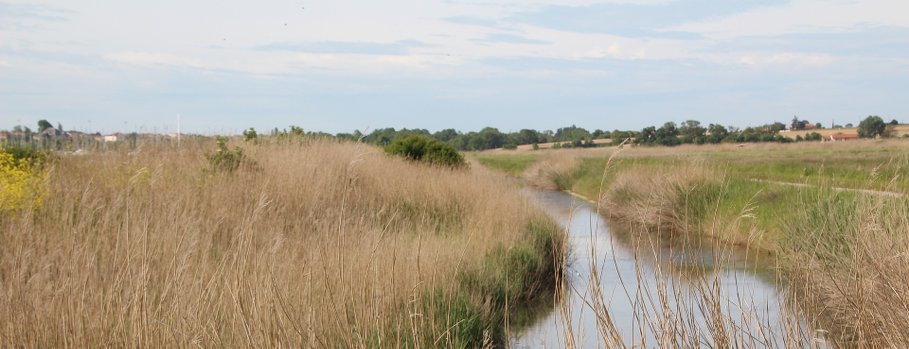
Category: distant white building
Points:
column 110, row 138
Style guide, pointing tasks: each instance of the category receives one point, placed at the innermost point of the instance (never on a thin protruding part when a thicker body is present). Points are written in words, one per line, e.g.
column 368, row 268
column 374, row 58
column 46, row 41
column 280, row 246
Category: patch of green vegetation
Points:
column 224, row 159
column 32, row 156
column 427, row 150
column 513, row 164
column 587, row 178
column 508, row 281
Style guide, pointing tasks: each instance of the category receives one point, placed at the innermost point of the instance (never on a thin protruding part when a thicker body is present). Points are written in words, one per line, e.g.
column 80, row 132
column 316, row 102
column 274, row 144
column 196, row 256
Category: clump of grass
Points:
column 847, row 259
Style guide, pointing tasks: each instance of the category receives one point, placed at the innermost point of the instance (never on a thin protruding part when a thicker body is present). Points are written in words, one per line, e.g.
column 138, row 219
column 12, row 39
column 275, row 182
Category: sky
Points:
column 341, row 65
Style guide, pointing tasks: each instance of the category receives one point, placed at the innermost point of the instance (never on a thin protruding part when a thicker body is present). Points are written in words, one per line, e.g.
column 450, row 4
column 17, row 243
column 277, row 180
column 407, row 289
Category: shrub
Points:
column 426, row 149
column 224, row 159
column 21, row 178
column 250, row 135
column 813, row 136
column 510, row 146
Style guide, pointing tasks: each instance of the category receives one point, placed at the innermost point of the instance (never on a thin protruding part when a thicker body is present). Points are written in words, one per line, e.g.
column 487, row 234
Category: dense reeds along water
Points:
column 641, row 291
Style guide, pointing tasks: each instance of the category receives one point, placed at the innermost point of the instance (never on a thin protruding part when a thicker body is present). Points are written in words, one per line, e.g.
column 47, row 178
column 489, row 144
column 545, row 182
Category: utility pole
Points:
column 178, row 129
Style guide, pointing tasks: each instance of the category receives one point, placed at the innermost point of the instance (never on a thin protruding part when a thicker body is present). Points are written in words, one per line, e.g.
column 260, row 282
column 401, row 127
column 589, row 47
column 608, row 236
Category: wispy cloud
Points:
column 510, row 39
column 401, row 47
column 641, row 20
column 26, row 16
column 802, row 16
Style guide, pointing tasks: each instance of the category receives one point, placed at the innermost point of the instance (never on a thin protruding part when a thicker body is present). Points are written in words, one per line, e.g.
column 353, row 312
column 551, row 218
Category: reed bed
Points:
column 315, row 244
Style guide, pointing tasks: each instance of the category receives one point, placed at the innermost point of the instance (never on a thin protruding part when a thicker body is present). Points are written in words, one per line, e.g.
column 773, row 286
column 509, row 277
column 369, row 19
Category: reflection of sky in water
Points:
column 635, row 271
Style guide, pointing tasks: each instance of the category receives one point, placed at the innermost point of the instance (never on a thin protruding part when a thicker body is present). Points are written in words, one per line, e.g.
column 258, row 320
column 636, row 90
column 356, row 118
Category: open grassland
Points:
column 835, row 217
column 895, row 130
column 512, row 164
column 312, row 244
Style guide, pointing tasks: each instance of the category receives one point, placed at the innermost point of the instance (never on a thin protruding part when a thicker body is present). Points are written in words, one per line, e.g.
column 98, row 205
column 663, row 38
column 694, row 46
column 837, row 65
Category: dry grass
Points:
column 316, row 244
column 851, row 266
column 644, row 195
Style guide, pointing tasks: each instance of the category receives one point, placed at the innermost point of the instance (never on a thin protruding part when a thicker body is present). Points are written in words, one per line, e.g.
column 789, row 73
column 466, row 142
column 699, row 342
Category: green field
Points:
column 513, row 164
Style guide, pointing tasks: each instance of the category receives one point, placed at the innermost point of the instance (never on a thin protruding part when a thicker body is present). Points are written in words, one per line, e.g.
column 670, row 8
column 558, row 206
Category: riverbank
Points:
column 311, row 243
column 821, row 235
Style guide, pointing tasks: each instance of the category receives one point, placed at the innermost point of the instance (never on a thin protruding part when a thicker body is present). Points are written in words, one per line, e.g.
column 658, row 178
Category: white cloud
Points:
column 787, row 59
column 804, row 16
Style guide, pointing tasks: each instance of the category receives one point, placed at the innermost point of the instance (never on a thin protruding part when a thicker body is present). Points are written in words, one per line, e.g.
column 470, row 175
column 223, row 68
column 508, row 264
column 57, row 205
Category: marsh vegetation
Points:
column 832, row 218
column 313, row 243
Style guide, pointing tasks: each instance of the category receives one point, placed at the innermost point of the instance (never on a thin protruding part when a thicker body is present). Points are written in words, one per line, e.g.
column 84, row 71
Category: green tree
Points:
column 426, row 149
column 43, row 125
column 668, row 134
column 250, row 134
column 717, row 133
column 487, row 138
column 871, row 127
column 446, row 134
column 692, row 131
column 648, row 135
column 527, row 136
column 776, row 127
column 571, row 133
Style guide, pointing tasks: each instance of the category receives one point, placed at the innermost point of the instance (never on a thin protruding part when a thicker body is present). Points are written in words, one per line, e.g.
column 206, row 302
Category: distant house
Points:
column 5, row 135
column 842, row 137
column 75, row 134
column 111, row 138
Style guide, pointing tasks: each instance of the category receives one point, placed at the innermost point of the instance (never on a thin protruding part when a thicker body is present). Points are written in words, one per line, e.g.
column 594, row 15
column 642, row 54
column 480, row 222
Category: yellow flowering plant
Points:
column 21, row 182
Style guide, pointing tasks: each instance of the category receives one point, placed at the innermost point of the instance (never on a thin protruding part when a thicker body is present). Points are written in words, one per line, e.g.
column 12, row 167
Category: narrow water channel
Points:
column 636, row 279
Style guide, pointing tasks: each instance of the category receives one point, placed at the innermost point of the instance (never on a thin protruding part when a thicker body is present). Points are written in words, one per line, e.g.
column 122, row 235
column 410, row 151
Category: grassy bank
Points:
column 309, row 244
column 832, row 215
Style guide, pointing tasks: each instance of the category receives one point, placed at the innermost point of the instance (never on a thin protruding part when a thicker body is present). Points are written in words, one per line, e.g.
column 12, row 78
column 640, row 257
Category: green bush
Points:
column 426, row 149
column 250, row 135
column 224, row 159
column 26, row 155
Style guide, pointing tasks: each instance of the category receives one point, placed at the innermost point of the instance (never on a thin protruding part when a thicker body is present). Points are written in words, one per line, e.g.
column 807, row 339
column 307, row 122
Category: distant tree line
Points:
column 669, row 134
column 487, row 138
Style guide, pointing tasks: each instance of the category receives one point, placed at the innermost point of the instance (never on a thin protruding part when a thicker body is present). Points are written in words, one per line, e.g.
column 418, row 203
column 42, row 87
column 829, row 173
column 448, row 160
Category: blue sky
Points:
column 341, row 65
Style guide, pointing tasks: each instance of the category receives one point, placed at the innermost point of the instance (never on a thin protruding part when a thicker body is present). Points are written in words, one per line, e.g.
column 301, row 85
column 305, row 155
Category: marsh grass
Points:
column 512, row 164
column 840, row 252
column 321, row 244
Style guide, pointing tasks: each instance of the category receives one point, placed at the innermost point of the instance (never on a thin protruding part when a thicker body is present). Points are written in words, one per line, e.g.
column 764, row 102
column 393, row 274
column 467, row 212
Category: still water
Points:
column 634, row 278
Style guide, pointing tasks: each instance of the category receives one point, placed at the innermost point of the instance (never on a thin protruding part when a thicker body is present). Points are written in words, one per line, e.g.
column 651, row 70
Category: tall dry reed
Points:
column 316, row 244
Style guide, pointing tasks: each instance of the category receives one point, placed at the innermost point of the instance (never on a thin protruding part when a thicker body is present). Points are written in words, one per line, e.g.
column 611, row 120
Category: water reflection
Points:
column 690, row 287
